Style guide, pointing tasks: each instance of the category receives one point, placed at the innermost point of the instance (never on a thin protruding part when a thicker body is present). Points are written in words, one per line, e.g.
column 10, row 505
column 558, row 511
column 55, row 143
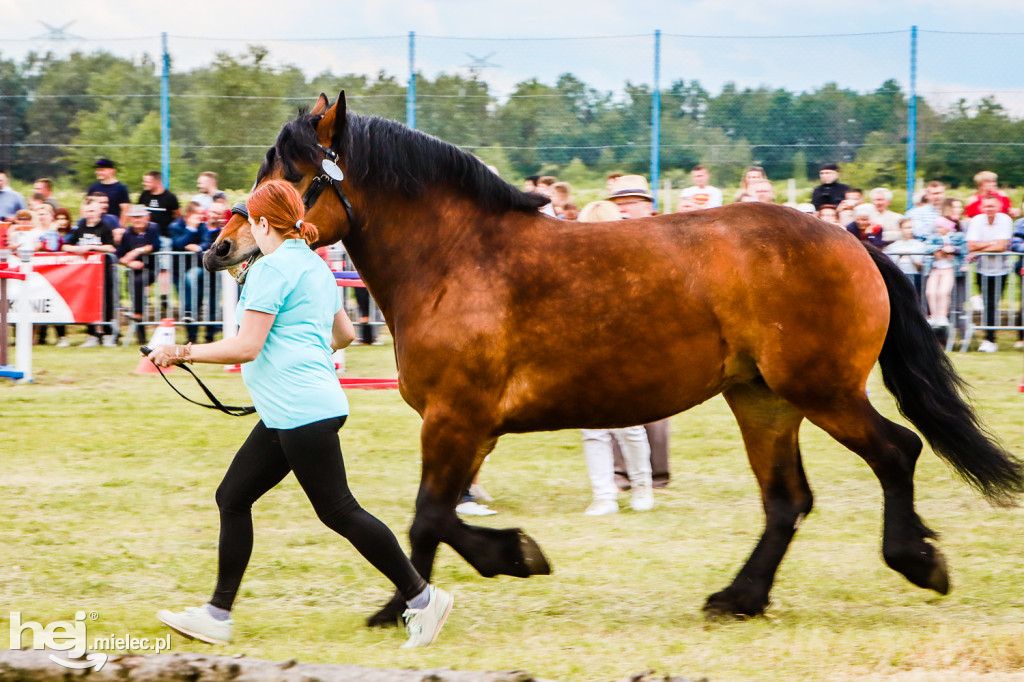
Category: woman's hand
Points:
column 169, row 354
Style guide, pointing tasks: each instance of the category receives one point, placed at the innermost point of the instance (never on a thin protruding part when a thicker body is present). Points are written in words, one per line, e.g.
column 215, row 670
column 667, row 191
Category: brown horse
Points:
column 506, row 321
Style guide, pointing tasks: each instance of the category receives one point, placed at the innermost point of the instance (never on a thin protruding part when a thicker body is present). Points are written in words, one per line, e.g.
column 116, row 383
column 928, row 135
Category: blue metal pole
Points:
column 656, row 121
column 410, row 93
column 912, row 121
column 165, row 114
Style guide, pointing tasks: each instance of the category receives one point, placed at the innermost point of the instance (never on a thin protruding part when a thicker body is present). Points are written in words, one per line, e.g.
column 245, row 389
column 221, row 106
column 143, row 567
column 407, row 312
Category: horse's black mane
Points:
column 380, row 155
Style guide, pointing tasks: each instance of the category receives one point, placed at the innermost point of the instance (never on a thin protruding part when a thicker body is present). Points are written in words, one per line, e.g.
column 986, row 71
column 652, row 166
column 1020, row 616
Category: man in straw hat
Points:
column 632, row 195
column 632, row 442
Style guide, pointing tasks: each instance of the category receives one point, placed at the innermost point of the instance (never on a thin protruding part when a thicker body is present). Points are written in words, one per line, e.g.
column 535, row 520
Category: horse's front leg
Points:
column 452, row 454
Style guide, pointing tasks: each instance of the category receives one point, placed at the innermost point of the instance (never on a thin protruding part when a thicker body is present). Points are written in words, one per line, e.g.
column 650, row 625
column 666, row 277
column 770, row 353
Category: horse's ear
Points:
column 321, row 105
column 340, row 118
column 331, row 128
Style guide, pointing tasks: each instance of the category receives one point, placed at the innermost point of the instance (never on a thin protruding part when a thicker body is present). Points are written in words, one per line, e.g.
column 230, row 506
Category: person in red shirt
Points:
column 987, row 183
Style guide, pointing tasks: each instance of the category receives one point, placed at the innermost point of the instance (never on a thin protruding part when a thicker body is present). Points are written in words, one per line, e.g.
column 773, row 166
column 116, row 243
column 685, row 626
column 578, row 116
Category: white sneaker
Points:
column 472, row 508
column 63, row 342
column 197, row 623
column 90, row 342
column 642, row 497
column 602, row 508
column 424, row 625
column 109, row 341
column 988, row 347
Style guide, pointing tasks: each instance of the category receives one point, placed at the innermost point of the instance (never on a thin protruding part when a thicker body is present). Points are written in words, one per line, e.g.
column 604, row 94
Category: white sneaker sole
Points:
column 191, row 634
column 440, row 624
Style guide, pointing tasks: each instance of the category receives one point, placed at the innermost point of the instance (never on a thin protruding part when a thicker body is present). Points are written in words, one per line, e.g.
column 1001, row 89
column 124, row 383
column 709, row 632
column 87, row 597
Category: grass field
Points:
column 107, row 489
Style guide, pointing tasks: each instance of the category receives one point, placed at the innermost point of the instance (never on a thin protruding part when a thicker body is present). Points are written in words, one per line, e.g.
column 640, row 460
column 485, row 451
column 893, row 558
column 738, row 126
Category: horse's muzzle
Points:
column 218, row 256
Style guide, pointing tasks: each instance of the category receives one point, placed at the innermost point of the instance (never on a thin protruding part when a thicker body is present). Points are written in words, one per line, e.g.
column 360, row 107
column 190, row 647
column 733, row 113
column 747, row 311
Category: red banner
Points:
column 63, row 288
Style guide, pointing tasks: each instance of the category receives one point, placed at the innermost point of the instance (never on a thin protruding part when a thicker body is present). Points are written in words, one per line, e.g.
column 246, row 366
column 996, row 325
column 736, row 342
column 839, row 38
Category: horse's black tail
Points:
column 933, row 396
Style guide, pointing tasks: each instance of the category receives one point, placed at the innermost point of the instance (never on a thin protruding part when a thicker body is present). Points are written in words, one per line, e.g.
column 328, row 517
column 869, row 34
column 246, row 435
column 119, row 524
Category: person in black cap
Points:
column 830, row 192
column 116, row 191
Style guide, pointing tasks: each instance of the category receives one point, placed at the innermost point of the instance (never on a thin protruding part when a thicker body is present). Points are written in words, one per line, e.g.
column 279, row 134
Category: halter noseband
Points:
column 323, row 180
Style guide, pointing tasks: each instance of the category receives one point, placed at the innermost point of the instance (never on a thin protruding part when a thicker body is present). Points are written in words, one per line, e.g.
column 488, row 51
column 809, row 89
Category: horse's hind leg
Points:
column 770, row 427
column 891, row 451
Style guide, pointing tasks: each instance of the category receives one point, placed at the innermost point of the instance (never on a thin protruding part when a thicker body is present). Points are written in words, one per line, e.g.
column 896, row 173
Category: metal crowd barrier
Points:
column 338, row 260
column 176, row 287
column 972, row 296
column 180, row 288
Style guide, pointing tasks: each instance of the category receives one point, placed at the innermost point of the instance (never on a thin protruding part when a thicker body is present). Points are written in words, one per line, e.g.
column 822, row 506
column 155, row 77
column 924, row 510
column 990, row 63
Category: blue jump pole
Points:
column 410, row 93
column 165, row 114
column 912, row 121
column 656, row 121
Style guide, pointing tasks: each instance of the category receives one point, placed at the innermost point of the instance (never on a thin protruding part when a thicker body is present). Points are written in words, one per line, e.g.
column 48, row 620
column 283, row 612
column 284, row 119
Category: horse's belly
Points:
column 637, row 383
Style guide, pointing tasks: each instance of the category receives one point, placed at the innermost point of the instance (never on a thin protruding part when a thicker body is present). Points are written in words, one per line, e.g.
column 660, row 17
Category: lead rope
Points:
column 233, row 410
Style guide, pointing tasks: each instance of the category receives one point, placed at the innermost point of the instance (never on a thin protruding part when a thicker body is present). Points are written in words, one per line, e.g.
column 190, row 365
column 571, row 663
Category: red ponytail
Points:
column 308, row 231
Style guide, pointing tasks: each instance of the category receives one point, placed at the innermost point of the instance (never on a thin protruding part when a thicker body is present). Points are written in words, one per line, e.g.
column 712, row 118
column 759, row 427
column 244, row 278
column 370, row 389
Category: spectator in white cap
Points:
column 135, row 253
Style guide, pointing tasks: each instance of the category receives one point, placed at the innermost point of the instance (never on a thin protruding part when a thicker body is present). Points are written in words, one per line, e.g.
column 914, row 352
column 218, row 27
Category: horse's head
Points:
column 308, row 153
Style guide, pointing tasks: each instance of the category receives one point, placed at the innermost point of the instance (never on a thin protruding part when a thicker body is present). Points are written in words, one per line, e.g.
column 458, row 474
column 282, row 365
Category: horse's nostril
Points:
column 223, row 248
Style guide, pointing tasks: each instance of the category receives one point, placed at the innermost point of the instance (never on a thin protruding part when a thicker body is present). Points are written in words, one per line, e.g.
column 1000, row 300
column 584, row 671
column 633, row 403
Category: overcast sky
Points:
column 370, row 35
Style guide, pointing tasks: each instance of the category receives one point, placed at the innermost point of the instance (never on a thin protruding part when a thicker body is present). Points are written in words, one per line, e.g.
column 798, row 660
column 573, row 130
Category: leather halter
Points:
column 323, row 180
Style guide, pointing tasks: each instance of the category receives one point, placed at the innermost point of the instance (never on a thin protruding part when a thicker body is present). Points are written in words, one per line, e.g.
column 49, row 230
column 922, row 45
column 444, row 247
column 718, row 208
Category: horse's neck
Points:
column 408, row 253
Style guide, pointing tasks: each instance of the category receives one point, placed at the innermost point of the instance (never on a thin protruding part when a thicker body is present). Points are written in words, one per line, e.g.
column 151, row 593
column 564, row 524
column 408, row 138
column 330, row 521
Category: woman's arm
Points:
column 343, row 332
column 245, row 347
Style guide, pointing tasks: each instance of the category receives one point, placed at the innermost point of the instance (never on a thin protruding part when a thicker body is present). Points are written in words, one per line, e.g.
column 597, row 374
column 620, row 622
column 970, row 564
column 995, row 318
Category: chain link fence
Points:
column 577, row 107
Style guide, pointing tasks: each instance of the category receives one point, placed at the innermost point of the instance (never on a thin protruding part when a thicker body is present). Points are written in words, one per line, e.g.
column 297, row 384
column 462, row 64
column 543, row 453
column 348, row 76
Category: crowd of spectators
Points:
column 933, row 243
column 139, row 235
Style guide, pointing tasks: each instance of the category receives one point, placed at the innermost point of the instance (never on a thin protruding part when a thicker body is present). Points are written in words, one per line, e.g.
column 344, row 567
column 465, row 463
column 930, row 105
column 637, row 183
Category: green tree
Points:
column 974, row 138
column 239, row 117
column 67, row 88
column 13, row 123
column 880, row 162
column 520, row 125
column 455, row 109
column 123, row 95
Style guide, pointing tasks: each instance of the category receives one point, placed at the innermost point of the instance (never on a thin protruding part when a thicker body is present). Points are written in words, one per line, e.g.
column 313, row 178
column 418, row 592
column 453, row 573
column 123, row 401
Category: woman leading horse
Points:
column 291, row 319
column 507, row 321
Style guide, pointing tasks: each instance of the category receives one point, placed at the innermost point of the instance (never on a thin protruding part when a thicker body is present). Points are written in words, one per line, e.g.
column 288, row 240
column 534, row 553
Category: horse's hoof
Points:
column 939, row 578
column 730, row 605
column 388, row 616
column 535, row 560
column 923, row 565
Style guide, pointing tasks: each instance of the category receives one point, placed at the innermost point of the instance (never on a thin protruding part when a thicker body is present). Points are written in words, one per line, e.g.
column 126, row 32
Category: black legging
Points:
column 314, row 454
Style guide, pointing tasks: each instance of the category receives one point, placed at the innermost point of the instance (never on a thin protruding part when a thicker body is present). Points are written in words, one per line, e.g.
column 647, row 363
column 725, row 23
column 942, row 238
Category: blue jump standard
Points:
column 8, row 372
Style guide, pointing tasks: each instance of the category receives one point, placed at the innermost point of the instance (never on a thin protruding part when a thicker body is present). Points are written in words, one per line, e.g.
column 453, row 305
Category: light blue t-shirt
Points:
column 292, row 381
